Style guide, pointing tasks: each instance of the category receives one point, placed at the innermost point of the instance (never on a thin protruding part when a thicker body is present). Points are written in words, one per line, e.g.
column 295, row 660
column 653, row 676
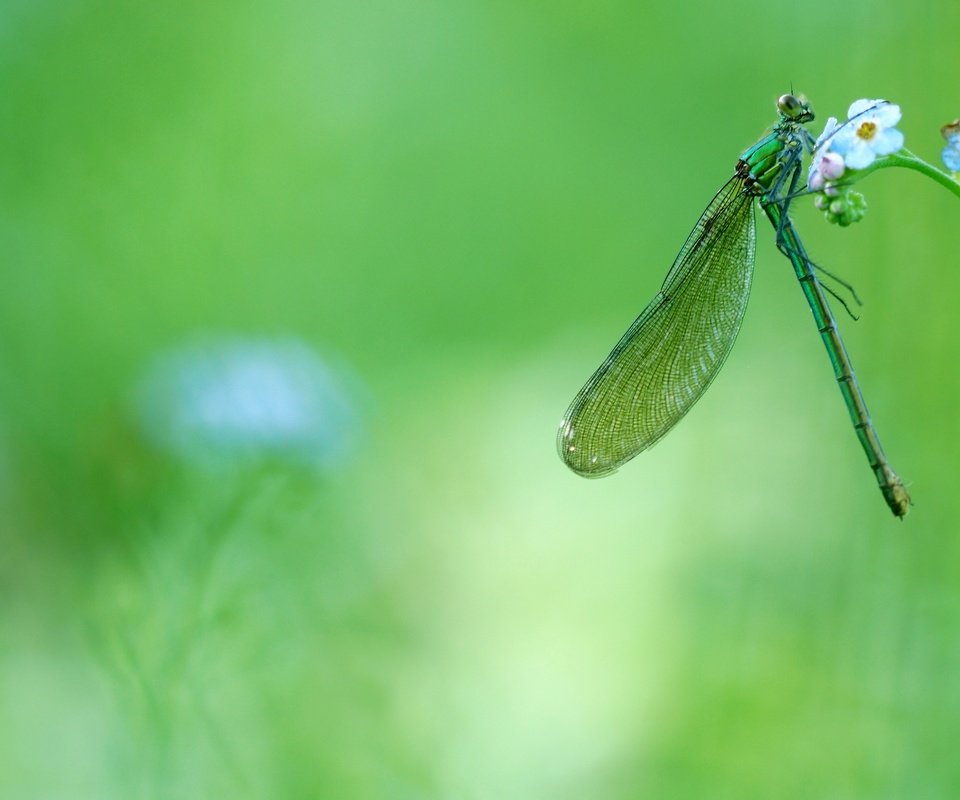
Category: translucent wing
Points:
column 673, row 350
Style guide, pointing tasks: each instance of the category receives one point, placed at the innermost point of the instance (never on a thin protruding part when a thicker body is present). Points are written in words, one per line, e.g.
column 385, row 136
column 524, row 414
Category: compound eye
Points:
column 789, row 106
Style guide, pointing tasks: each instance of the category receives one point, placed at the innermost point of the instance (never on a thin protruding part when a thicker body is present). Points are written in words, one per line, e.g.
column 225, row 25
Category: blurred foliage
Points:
column 464, row 204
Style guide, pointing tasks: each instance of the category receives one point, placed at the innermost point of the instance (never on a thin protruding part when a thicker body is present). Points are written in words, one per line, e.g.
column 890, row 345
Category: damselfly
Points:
column 674, row 349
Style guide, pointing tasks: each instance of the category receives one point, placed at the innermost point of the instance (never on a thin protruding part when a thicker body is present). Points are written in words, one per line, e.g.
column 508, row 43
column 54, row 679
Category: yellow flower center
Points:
column 867, row 130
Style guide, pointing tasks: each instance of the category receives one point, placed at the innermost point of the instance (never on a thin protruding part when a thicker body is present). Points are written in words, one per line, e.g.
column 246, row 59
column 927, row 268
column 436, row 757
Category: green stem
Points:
column 907, row 159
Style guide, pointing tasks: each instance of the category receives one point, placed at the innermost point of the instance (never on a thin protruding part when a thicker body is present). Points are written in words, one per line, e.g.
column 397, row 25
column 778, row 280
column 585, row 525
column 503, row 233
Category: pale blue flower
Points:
column 869, row 132
column 951, row 153
column 241, row 400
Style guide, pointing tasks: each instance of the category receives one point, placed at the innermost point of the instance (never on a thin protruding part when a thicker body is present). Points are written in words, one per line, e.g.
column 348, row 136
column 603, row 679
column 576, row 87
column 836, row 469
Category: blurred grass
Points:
column 467, row 203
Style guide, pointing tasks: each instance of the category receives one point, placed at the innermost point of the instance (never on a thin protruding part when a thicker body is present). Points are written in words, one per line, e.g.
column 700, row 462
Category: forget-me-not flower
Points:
column 868, row 133
column 951, row 153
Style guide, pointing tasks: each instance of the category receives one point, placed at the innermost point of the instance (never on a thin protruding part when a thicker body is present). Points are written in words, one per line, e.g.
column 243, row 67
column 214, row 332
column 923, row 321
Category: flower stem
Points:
column 907, row 159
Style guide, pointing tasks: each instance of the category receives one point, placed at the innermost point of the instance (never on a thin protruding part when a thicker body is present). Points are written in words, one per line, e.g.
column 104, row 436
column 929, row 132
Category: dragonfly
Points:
column 672, row 352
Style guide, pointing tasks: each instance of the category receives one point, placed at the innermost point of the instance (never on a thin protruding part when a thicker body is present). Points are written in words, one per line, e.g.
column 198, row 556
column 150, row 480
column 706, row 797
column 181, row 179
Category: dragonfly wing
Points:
column 673, row 350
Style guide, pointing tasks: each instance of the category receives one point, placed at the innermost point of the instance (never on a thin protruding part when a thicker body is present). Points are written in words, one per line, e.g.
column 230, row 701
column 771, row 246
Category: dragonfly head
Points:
column 794, row 109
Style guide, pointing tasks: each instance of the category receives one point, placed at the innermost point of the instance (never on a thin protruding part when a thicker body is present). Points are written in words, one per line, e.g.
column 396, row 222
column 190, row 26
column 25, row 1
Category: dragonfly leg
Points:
column 841, row 281
column 784, row 246
column 889, row 482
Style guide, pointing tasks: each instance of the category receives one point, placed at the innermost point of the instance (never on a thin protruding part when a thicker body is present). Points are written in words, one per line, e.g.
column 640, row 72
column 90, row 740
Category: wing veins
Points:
column 673, row 350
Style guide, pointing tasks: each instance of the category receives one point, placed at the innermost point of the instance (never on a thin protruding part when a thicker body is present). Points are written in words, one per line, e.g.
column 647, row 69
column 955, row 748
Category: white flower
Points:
column 827, row 165
column 868, row 132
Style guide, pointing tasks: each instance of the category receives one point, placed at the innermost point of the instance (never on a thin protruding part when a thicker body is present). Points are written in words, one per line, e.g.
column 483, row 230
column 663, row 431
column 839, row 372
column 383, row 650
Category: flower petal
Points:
column 860, row 155
column 843, row 139
column 951, row 155
column 828, row 131
column 859, row 106
column 887, row 141
column 888, row 115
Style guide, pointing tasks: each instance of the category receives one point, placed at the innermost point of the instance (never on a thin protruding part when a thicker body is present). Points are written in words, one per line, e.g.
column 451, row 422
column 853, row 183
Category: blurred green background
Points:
column 461, row 206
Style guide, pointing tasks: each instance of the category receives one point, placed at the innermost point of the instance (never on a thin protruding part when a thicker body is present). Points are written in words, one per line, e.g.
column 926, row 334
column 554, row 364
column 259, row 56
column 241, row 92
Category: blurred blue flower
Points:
column 951, row 153
column 869, row 132
column 241, row 400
